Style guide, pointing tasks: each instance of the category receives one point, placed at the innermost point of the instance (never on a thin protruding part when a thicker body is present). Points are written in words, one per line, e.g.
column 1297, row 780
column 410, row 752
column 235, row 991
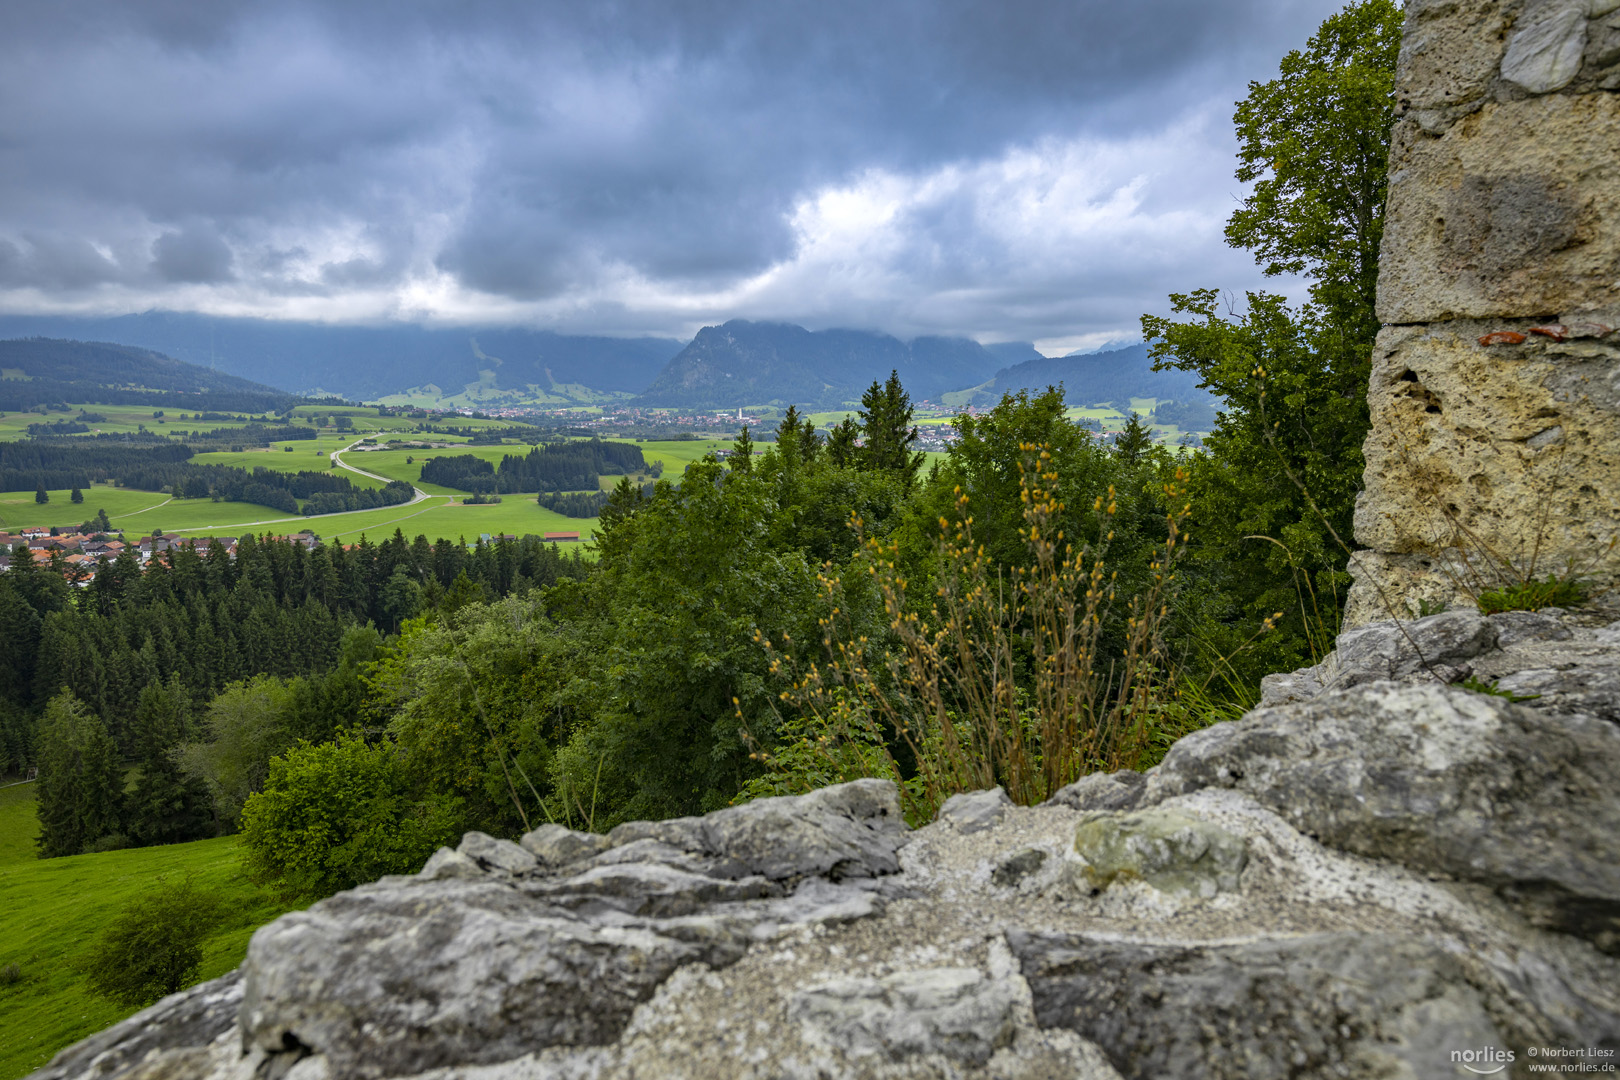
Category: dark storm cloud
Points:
column 639, row 163
column 194, row 254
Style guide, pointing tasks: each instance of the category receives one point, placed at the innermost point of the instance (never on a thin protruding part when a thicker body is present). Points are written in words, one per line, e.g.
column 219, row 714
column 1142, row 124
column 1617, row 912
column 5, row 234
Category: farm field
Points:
column 18, row 510
column 124, row 419
column 440, row 517
column 677, row 454
column 121, row 419
column 51, row 911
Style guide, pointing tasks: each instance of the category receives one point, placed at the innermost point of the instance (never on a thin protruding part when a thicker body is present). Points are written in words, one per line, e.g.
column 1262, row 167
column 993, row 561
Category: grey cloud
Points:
column 56, row 261
column 531, row 150
column 194, row 254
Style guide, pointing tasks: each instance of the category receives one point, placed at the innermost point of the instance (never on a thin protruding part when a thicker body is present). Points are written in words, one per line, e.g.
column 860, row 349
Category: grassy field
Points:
column 289, row 457
column 18, row 510
column 441, row 515
column 121, row 419
column 129, row 418
column 51, row 911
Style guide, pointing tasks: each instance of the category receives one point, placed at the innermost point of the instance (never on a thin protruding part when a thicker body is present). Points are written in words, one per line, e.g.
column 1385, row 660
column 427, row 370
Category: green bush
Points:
column 340, row 814
column 153, row 947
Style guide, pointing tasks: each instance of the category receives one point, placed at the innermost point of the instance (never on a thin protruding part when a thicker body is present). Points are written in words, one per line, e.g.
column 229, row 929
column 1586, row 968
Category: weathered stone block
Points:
column 1317, row 1006
column 1450, row 50
column 1438, row 779
column 1491, row 452
column 1511, row 213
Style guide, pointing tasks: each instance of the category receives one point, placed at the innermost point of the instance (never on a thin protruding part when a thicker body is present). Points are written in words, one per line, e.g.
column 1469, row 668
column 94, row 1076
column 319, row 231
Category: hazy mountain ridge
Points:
column 369, row 362
column 1091, row 378
column 738, row 363
column 42, row 371
column 753, row 363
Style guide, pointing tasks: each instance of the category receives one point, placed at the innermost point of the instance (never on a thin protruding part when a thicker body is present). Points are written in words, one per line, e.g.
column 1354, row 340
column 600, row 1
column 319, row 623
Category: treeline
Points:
column 78, row 463
column 325, row 493
column 563, row 466
column 147, row 462
column 575, row 504
column 252, row 654
column 393, row 493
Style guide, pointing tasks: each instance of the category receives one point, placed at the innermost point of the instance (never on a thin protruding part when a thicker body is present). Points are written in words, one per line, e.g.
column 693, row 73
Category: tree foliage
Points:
column 81, row 779
column 1315, row 143
column 339, row 814
column 154, row 946
column 1274, row 493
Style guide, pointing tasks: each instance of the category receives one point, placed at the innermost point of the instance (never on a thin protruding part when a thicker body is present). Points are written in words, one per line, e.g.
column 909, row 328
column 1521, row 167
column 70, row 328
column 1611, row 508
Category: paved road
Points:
column 340, row 463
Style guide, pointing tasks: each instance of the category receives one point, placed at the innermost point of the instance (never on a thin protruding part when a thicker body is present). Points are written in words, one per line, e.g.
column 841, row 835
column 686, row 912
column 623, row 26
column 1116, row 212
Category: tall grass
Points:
column 1027, row 679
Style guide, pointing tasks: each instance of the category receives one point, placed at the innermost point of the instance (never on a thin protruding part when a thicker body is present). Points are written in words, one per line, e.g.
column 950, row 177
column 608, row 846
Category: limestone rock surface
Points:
column 1357, row 883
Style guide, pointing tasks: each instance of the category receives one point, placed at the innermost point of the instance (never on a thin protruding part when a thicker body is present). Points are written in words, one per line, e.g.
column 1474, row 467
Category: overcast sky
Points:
column 1007, row 169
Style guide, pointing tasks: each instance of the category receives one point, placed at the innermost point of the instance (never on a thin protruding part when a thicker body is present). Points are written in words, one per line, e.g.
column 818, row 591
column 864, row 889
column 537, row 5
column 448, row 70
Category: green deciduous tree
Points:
column 246, row 726
column 1315, row 144
column 684, row 585
column 81, row 779
column 339, row 814
column 477, row 704
column 1284, row 462
column 154, row 946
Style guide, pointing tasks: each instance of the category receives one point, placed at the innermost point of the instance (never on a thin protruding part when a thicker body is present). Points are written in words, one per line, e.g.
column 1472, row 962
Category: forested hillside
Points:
column 44, row 371
column 368, row 362
column 749, row 363
column 1114, row 376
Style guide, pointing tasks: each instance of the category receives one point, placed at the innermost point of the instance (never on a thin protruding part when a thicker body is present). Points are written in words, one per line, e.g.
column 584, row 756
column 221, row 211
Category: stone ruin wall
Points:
column 1495, row 386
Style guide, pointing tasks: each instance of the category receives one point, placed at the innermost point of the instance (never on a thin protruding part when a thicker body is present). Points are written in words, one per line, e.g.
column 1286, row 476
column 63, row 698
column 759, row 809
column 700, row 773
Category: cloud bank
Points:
column 1027, row 170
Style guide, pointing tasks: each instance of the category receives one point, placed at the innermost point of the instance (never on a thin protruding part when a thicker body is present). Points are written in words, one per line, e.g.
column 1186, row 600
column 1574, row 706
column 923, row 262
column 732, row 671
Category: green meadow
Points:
column 52, row 910
column 442, row 515
column 18, row 510
column 121, row 419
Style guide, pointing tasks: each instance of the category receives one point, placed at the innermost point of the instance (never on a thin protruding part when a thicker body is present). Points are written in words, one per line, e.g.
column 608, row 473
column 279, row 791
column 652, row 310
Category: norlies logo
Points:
column 1485, row 1061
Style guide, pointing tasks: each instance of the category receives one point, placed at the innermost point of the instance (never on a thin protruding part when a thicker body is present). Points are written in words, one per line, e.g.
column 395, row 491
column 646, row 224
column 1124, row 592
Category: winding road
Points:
column 420, row 496
column 340, row 463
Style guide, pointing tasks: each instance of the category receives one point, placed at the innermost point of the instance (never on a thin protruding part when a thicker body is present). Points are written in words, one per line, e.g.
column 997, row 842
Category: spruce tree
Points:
column 841, row 446
column 40, row 495
column 81, row 779
column 76, row 496
column 742, row 453
column 167, row 806
column 789, row 450
column 1134, row 441
column 886, row 419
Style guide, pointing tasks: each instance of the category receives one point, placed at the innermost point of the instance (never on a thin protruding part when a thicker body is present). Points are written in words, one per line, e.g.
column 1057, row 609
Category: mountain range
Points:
column 448, row 367
column 739, row 363
column 1089, row 378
